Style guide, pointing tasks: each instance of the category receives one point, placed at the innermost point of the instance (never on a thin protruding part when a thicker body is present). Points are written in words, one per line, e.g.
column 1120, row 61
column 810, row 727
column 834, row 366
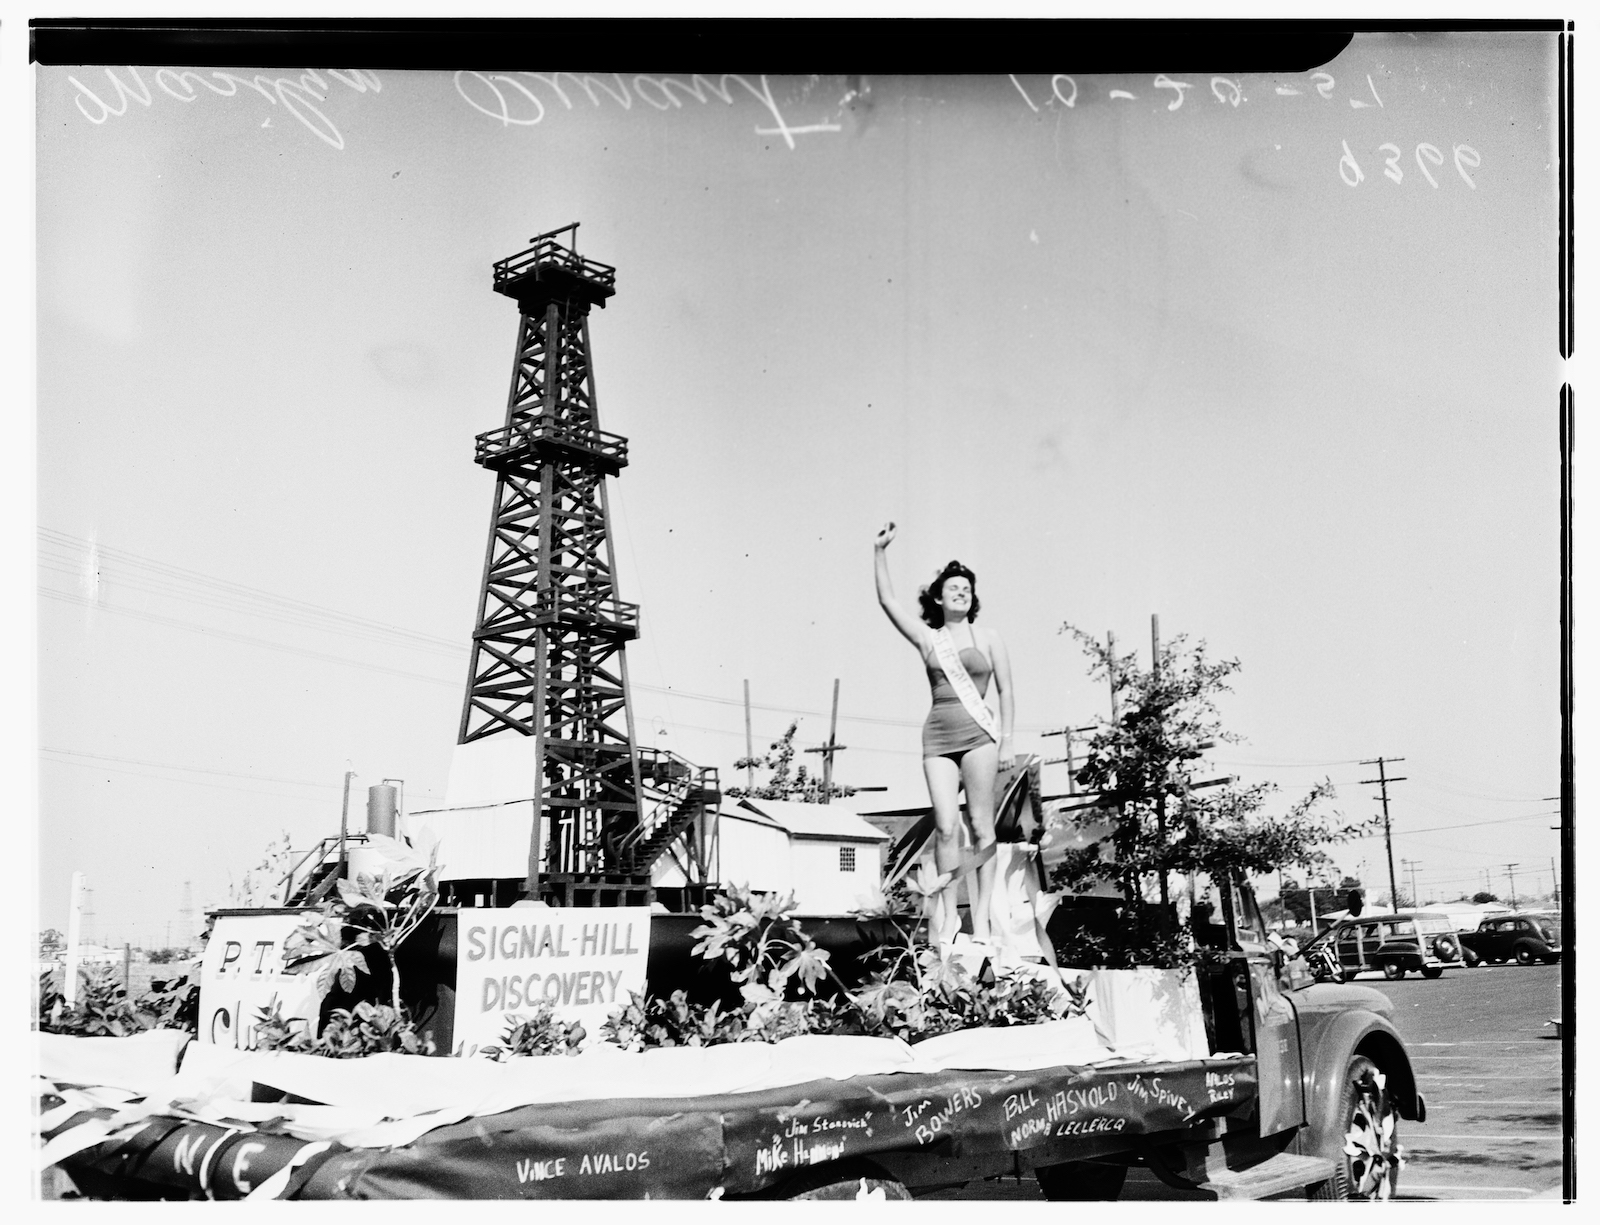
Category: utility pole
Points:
column 1161, row 791
column 1411, row 866
column 1555, row 883
column 1111, row 671
column 1070, row 758
column 1511, row 872
column 749, row 745
column 1383, row 781
column 830, row 748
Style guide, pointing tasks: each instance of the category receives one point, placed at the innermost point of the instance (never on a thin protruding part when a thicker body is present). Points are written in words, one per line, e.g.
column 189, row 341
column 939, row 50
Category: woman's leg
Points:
column 944, row 785
column 978, row 769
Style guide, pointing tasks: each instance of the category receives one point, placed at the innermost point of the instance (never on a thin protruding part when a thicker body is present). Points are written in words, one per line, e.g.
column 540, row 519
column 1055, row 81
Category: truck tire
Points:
column 1392, row 969
column 1081, row 1180
column 842, row 1180
column 1432, row 971
column 1368, row 1163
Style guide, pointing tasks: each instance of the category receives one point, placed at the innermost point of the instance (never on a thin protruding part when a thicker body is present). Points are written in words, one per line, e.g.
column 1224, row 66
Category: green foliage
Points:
column 259, row 886
column 51, row 942
column 540, row 1034
column 1129, row 946
column 918, row 994
column 779, row 759
column 756, row 935
column 161, row 957
column 648, row 1021
column 350, row 1033
column 1143, row 765
column 370, row 911
column 912, row 993
column 172, row 1004
column 103, row 1009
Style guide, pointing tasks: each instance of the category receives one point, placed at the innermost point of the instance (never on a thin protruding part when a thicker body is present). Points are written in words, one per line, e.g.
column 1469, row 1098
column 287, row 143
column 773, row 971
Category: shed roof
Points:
column 823, row 821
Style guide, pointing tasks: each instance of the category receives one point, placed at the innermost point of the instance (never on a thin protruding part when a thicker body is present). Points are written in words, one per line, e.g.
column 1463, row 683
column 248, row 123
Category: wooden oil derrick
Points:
column 548, row 657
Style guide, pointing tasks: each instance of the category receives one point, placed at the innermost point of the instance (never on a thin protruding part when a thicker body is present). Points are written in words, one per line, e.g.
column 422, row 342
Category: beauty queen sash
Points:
column 944, row 649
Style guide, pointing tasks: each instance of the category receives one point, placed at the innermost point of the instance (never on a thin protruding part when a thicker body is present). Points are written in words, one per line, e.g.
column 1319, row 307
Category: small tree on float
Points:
column 1143, row 762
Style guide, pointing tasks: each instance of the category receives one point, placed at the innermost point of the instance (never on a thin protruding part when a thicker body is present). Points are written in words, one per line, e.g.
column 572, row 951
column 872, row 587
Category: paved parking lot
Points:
column 1490, row 1069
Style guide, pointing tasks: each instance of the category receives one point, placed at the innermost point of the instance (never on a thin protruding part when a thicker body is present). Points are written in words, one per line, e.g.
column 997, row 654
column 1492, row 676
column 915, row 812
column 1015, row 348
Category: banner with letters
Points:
column 583, row 962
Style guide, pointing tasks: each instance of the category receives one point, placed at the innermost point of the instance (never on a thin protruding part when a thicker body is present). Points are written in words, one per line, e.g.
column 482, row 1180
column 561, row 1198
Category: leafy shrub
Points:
column 540, row 1034
column 648, row 1021
column 103, row 1010
column 350, row 1033
column 371, row 911
column 756, row 935
column 912, row 994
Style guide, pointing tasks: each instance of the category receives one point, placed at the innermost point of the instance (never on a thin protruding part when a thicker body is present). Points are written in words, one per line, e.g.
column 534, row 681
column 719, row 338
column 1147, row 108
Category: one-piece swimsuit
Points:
column 949, row 729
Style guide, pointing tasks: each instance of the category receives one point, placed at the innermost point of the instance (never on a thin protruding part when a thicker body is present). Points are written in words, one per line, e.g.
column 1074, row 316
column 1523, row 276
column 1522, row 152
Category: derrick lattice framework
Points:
column 547, row 654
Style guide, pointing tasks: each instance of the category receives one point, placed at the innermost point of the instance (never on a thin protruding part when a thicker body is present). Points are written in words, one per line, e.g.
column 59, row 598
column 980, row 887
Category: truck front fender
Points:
column 1327, row 1052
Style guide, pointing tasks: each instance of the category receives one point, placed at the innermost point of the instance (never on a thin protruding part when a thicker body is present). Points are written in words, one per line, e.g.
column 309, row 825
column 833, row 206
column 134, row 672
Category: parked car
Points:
column 1528, row 936
column 1392, row 943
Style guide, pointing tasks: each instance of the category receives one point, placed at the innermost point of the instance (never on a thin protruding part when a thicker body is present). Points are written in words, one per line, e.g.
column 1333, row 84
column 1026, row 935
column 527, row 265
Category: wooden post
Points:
column 127, row 965
column 69, row 958
column 344, row 826
column 749, row 745
column 1072, row 781
column 827, row 758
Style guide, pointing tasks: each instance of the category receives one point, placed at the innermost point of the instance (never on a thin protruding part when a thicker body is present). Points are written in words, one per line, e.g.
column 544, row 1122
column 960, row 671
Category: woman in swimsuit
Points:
column 957, row 751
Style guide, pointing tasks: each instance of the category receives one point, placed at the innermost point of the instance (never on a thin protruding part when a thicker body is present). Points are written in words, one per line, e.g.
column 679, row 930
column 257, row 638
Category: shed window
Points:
column 847, row 859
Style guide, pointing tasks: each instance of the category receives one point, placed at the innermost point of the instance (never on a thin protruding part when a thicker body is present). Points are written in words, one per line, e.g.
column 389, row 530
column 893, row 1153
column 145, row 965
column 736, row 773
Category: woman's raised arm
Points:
column 903, row 621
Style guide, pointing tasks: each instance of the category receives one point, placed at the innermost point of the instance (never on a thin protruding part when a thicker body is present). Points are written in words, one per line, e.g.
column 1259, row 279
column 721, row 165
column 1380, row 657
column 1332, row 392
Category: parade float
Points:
column 565, row 982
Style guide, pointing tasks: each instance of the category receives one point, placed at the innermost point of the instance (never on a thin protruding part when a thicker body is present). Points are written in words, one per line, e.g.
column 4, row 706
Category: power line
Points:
column 163, row 765
column 1433, row 829
column 189, row 782
column 169, row 572
column 247, row 639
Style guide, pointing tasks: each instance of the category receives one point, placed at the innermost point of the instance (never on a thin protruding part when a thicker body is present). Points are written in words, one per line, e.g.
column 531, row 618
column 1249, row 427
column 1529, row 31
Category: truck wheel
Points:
column 1392, row 969
column 1432, row 971
column 1369, row 1160
column 1081, row 1180
column 1524, row 955
column 843, row 1180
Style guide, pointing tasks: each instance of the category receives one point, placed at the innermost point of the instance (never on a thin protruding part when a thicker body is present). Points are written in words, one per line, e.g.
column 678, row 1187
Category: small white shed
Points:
column 835, row 857
column 825, row 853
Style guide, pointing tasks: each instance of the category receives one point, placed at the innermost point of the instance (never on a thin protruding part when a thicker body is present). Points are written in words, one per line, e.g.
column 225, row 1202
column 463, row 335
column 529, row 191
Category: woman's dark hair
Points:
column 928, row 597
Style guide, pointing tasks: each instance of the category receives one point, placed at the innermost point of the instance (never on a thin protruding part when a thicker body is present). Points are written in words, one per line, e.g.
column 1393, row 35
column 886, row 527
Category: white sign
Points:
column 242, row 973
column 583, row 962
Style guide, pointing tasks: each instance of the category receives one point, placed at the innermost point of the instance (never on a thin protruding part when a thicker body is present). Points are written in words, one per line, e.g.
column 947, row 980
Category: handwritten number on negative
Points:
column 1392, row 169
column 1466, row 156
column 1433, row 155
column 1347, row 163
column 1163, row 81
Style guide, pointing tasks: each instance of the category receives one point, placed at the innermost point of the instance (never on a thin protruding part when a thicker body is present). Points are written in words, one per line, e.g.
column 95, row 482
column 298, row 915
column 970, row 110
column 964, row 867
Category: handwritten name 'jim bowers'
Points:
column 545, row 942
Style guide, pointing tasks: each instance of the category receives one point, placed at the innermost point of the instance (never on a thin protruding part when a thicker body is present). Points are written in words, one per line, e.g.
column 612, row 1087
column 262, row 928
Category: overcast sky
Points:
column 1149, row 352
